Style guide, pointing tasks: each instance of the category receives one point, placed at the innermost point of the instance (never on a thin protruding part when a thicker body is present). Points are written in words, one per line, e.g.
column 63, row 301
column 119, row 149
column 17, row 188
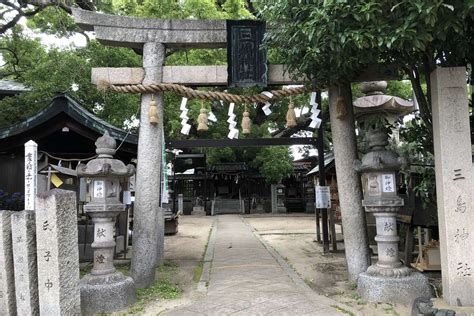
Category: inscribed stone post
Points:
column 148, row 227
column 454, row 183
column 273, row 189
column 7, row 282
column 24, row 258
column 348, row 182
column 31, row 169
column 58, row 257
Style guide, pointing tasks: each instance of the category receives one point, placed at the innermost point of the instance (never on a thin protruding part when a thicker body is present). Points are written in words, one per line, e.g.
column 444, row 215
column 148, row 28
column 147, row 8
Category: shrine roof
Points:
column 9, row 87
column 228, row 167
column 64, row 127
column 328, row 163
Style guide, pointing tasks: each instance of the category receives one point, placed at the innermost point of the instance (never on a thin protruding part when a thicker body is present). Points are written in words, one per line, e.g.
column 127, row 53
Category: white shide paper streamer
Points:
column 315, row 120
column 184, row 117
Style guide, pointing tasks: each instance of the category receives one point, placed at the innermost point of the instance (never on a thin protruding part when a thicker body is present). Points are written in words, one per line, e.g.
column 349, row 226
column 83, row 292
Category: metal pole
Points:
column 174, row 186
column 316, row 211
column 322, row 176
column 205, row 190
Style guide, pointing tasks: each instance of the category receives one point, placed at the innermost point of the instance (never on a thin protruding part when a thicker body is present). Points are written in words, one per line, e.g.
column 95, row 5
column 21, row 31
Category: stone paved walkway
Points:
column 245, row 279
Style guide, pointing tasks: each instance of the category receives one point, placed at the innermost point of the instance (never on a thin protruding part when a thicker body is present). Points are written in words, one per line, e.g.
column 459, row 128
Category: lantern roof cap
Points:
column 105, row 165
column 376, row 101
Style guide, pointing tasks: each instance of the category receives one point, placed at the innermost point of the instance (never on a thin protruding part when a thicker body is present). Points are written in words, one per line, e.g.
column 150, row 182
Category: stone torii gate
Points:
column 451, row 141
column 152, row 36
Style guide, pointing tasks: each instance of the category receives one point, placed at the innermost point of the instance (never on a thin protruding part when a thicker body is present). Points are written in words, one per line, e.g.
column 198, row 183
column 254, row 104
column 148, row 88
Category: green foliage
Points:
column 275, row 163
column 402, row 89
column 332, row 41
column 50, row 70
column 163, row 288
column 236, row 10
column 53, row 20
column 415, row 140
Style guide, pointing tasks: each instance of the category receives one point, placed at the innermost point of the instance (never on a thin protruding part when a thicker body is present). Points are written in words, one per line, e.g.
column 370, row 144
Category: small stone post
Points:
column 274, row 200
column 454, row 183
column 7, row 282
column 148, row 229
column 24, row 258
column 348, row 181
column 58, row 255
column 105, row 289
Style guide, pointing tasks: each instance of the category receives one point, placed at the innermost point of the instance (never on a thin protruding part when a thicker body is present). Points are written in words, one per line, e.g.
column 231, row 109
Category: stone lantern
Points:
column 105, row 289
column 388, row 280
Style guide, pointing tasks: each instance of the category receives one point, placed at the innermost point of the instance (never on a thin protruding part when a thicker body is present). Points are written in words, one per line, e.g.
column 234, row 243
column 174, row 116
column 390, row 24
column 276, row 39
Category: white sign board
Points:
column 323, row 197
column 388, row 183
column 180, row 204
column 31, row 171
column 98, row 189
column 127, row 197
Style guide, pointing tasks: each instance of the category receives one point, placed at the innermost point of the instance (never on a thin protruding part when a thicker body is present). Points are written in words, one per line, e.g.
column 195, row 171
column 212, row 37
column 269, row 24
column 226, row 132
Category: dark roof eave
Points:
column 63, row 103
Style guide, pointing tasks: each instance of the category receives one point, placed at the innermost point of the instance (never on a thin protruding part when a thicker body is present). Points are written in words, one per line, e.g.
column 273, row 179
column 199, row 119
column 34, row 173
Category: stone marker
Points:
column 58, row 257
column 24, row 258
column 454, row 183
column 7, row 282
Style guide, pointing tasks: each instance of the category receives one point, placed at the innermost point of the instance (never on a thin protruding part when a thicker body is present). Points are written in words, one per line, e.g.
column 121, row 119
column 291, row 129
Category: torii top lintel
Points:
column 126, row 31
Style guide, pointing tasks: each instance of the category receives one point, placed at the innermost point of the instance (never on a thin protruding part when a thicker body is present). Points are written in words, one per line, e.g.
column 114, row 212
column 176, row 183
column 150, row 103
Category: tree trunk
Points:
column 349, row 185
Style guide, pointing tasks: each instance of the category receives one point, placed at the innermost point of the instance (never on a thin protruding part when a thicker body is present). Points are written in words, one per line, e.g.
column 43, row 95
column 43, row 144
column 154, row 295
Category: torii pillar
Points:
column 152, row 36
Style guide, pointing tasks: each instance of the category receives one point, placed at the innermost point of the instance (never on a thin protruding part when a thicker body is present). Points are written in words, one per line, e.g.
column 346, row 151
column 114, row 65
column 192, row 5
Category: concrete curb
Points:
column 207, row 260
column 295, row 277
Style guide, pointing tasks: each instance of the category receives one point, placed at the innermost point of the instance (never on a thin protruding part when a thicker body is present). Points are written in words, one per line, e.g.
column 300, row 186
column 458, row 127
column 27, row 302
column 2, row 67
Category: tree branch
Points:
column 429, row 66
column 39, row 6
column 425, row 112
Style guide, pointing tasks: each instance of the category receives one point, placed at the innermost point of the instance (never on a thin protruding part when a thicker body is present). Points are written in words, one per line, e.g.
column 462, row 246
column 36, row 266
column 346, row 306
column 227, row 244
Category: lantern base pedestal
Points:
column 402, row 290
column 107, row 293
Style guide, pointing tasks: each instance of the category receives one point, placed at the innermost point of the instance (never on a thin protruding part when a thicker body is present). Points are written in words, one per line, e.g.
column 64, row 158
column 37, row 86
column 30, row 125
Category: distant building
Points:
column 9, row 88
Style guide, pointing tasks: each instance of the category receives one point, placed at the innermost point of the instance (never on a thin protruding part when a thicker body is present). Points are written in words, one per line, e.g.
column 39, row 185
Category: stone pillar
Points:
column 454, row 183
column 348, row 183
column 7, row 281
column 58, row 255
column 148, row 225
column 274, row 200
column 24, row 258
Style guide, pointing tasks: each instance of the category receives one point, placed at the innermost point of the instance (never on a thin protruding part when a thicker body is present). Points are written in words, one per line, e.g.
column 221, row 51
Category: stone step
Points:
column 226, row 206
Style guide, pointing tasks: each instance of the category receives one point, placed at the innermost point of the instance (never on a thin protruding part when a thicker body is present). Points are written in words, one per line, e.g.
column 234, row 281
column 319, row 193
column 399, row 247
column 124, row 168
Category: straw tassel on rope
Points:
column 153, row 111
column 246, row 123
column 202, row 119
column 291, row 115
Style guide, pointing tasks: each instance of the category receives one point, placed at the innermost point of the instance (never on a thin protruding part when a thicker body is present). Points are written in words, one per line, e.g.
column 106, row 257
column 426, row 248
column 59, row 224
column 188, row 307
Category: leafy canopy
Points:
column 47, row 70
column 331, row 41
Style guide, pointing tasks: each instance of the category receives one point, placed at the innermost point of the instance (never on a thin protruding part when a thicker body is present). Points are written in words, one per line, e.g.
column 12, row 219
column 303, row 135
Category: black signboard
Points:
column 247, row 62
